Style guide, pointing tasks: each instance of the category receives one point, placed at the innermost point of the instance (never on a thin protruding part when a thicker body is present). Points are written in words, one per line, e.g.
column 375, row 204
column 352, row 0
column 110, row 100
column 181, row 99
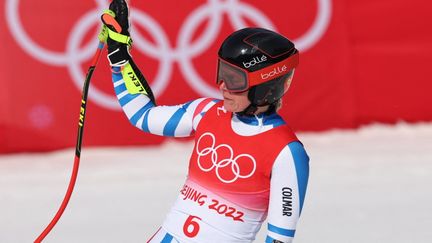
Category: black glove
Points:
column 115, row 33
column 116, row 19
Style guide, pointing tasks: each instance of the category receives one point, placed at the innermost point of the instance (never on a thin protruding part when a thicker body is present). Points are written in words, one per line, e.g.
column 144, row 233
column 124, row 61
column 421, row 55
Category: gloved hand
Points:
column 116, row 32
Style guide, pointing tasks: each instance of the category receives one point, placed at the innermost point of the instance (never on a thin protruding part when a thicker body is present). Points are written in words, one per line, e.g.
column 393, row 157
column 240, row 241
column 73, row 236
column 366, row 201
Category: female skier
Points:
column 246, row 165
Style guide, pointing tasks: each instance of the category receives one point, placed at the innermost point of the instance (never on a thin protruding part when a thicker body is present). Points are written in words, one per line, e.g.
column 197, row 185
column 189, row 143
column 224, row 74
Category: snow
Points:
column 370, row 185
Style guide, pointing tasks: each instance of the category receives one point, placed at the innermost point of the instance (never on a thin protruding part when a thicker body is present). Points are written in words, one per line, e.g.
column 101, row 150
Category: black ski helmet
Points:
column 262, row 59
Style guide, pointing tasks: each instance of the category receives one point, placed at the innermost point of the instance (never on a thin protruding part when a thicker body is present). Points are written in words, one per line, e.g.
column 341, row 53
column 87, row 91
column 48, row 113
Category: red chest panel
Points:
column 227, row 162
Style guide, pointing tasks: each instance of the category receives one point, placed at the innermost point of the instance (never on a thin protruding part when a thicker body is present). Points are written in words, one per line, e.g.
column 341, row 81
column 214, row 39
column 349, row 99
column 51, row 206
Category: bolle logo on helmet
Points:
column 255, row 61
column 275, row 72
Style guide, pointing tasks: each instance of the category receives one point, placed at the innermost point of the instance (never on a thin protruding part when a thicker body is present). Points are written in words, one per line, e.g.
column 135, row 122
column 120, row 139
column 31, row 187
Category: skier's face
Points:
column 234, row 102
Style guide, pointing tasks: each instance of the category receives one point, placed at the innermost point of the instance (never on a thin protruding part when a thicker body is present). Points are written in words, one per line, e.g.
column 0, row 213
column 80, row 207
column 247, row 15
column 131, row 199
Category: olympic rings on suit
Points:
column 218, row 162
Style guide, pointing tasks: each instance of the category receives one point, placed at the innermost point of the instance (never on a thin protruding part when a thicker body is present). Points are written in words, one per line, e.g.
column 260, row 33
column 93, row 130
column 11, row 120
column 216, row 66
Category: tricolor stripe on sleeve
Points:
column 174, row 121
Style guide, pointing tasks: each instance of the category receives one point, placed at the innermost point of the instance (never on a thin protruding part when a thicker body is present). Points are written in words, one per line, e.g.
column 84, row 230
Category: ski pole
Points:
column 107, row 17
column 78, row 145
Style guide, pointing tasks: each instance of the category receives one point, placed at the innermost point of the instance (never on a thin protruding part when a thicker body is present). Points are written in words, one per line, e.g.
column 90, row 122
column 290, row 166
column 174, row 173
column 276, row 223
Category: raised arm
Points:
column 176, row 121
column 132, row 89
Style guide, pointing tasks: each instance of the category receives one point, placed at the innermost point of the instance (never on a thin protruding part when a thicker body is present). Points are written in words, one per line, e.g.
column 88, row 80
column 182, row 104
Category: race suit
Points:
column 242, row 170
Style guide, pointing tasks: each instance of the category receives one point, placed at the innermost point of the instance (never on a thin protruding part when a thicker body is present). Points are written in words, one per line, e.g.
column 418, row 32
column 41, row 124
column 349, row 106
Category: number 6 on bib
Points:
column 191, row 226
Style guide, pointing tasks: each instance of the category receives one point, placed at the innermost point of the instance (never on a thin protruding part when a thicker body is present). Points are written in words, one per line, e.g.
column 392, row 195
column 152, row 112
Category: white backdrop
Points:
column 369, row 185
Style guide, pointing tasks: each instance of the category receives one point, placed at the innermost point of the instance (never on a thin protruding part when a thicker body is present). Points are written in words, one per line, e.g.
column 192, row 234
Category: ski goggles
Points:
column 237, row 79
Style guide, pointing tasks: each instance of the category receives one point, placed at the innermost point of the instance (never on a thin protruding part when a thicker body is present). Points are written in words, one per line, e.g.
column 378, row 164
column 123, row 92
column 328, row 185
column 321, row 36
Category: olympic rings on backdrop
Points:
column 183, row 53
column 226, row 162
